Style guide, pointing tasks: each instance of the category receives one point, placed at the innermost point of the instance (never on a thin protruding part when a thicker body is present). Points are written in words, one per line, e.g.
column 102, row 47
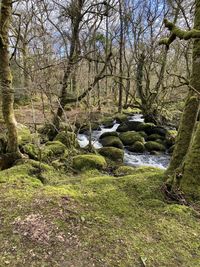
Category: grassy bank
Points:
column 92, row 219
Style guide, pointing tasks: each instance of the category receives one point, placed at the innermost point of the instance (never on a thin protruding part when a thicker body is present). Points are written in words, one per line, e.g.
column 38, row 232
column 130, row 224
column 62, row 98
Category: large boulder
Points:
column 123, row 127
column 154, row 137
column 130, row 126
column 112, row 153
column 106, row 134
column 47, row 153
column 68, row 139
column 53, row 150
column 89, row 161
column 154, row 146
column 32, row 150
column 150, row 129
column 108, row 122
column 121, row 118
column 137, row 147
column 112, row 141
column 129, row 138
column 135, row 126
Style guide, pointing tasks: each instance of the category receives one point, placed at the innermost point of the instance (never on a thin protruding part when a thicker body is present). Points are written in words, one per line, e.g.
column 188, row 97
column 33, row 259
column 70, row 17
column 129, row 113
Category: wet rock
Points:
column 112, row 153
column 154, row 137
column 123, row 127
column 108, row 134
column 154, row 146
column 112, row 141
column 129, row 138
column 120, row 118
column 137, row 147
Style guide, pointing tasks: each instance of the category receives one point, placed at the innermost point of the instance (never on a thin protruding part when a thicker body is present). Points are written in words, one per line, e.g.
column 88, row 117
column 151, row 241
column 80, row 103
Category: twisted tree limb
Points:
column 177, row 32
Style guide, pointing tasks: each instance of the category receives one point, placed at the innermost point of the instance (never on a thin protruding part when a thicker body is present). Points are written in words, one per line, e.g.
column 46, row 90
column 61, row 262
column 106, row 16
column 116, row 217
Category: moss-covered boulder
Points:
column 147, row 127
column 48, row 131
column 151, row 129
column 121, row 118
column 112, row 153
column 68, row 139
column 129, row 138
column 154, row 146
column 123, row 127
column 106, row 134
column 108, row 122
column 154, row 137
column 137, row 147
column 53, row 150
column 89, row 161
column 112, row 141
column 143, row 134
column 32, row 150
column 135, row 126
column 130, row 126
column 24, row 134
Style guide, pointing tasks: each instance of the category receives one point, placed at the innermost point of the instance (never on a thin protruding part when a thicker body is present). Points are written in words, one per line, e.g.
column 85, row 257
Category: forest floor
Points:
column 51, row 218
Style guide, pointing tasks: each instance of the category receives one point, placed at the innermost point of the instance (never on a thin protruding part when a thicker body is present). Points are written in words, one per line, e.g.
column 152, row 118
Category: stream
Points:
column 130, row 158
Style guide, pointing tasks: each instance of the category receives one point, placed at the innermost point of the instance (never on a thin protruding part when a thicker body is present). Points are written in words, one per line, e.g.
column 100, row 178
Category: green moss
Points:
column 137, row 147
column 106, row 134
column 53, row 150
column 76, row 215
column 143, row 134
column 190, row 183
column 24, row 134
column 124, row 170
column 154, row 137
column 129, row 138
column 20, row 176
column 108, row 122
column 171, row 137
column 68, row 139
column 123, row 127
column 112, row 153
column 112, row 141
column 32, row 150
column 121, row 118
column 154, row 146
column 91, row 161
column 185, row 132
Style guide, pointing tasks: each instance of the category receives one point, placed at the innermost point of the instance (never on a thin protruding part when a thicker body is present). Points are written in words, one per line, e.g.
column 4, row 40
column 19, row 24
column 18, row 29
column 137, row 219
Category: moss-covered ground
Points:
column 54, row 219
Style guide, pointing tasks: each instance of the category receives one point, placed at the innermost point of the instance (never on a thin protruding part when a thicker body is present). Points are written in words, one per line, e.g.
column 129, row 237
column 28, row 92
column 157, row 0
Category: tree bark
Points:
column 6, row 79
column 189, row 117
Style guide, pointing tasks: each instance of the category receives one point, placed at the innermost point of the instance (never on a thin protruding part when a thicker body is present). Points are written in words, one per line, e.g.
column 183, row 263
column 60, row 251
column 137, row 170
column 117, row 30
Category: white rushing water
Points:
column 131, row 159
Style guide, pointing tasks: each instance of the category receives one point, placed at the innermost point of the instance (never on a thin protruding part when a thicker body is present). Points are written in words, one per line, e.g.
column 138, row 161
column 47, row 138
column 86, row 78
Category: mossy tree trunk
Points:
column 190, row 181
column 186, row 156
column 6, row 78
column 185, row 133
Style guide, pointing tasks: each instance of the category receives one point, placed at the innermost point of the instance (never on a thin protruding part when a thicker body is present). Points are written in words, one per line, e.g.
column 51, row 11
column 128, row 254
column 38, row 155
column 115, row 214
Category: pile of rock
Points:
column 140, row 137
